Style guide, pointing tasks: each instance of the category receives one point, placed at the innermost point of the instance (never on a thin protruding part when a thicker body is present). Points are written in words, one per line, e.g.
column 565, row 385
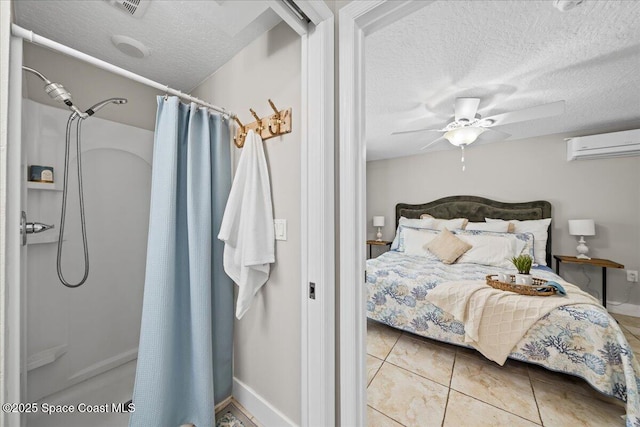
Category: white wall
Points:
column 89, row 85
column 606, row 190
column 267, row 339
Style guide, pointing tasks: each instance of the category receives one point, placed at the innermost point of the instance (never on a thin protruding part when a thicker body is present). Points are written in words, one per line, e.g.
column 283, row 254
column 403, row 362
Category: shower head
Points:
column 94, row 109
column 56, row 91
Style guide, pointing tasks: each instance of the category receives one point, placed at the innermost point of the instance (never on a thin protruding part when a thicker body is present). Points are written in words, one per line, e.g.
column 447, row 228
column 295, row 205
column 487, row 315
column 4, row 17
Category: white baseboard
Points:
column 257, row 406
column 625, row 308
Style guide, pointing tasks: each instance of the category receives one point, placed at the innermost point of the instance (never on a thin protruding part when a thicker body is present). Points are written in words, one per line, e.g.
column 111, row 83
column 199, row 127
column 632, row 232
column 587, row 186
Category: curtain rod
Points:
column 31, row 37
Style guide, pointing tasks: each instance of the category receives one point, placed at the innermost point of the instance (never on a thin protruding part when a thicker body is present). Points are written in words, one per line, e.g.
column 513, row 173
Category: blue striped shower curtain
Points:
column 185, row 354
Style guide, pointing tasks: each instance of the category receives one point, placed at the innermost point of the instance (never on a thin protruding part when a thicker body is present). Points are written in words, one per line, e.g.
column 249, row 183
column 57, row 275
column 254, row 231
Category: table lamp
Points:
column 582, row 227
column 378, row 221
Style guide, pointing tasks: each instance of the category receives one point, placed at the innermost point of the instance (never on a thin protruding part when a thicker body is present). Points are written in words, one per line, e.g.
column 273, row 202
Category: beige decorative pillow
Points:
column 447, row 247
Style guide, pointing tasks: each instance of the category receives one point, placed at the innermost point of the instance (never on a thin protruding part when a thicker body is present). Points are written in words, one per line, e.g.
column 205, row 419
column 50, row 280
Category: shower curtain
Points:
column 185, row 352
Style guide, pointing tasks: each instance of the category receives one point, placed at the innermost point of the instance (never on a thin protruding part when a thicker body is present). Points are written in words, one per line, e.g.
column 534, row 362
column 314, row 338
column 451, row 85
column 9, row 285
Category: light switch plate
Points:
column 280, row 228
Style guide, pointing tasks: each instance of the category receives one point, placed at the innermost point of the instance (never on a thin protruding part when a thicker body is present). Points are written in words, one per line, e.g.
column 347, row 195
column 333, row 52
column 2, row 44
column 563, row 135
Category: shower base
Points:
column 112, row 387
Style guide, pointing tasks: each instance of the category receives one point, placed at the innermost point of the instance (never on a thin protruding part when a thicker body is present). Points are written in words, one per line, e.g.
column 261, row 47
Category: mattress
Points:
column 580, row 340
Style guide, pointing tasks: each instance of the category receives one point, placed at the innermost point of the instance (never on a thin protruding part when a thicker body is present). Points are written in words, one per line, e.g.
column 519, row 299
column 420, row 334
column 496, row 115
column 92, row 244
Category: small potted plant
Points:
column 523, row 265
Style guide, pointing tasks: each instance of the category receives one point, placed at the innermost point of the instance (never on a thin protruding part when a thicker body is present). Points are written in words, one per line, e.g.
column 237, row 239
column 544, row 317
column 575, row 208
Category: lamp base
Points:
column 379, row 235
column 582, row 249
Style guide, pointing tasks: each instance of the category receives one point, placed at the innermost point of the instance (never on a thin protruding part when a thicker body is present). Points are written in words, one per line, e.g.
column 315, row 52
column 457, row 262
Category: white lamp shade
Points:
column 463, row 136
column 582, row 227
column 378, row 221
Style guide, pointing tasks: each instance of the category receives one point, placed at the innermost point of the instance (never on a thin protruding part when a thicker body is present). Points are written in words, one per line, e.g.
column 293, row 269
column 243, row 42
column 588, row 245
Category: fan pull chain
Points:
column 462, row 159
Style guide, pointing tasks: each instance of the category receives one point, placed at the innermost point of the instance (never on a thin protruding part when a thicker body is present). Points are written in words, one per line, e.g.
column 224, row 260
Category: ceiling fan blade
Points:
column 491, row 135
column 532, row 113
column 415, row 131
column 433, row 142
column 466, row 108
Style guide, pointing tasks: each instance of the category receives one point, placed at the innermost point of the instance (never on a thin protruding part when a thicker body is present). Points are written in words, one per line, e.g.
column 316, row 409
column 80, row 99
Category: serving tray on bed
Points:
column 538, row 288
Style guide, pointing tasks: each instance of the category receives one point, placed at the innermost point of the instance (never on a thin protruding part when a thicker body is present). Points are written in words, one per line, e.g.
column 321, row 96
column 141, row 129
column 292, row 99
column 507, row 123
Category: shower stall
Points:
column 82, row 341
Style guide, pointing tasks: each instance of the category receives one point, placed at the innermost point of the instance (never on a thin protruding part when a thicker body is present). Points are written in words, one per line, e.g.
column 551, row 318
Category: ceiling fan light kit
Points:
column 463, row 135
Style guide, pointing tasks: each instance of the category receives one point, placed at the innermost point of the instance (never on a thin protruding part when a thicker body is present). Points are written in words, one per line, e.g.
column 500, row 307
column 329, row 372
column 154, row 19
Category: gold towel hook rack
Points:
column 277, row 124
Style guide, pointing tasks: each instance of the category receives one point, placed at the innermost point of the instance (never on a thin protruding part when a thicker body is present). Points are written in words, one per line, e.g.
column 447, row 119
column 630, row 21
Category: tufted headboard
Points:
column 476, row 209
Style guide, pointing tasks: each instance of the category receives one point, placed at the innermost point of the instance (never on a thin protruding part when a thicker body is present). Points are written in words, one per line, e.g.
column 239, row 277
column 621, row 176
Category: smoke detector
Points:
column 135, row 8
column 130, row 46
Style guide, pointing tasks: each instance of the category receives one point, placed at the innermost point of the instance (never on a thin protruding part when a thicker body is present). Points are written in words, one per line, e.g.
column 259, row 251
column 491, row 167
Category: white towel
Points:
column 247, row 224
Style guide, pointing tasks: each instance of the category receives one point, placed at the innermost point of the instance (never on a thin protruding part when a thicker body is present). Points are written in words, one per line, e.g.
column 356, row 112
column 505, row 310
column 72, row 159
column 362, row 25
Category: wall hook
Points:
column 241, row 134
column 276, row 120
column 258, row 120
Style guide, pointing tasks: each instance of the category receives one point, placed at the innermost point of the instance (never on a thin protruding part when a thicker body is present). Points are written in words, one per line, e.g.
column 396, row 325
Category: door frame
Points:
column 317, row 218
column 356, row 20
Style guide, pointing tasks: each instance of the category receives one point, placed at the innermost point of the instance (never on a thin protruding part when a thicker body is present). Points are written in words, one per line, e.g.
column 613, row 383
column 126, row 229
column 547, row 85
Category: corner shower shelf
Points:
column 45, row 357
column 43, row 186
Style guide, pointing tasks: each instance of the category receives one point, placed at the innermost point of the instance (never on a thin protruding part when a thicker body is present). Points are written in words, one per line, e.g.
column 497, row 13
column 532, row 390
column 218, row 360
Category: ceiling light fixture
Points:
column 463, row 135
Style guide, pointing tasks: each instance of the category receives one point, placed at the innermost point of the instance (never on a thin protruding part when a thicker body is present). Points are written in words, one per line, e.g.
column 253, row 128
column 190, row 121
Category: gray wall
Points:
column 606, row 190
column 267, row 339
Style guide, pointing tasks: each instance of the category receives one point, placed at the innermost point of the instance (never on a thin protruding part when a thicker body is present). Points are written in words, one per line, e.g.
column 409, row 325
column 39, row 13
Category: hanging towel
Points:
column 247, row 224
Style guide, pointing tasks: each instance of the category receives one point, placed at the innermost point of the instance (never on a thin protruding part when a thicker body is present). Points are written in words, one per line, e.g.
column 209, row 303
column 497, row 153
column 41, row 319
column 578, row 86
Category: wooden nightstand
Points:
column 596, row 262
column 372, row 243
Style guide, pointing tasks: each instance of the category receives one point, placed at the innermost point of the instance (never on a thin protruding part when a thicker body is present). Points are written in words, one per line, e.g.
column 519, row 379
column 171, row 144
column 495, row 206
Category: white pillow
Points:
column 440, row 223
column 427, row 222
column 500, row 227
column 491, row 249
column 537, row 227
column 409, row 222
column 415, row 241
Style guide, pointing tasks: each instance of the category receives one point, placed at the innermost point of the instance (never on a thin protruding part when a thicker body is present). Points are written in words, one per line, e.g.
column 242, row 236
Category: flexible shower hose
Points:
column 63, row 214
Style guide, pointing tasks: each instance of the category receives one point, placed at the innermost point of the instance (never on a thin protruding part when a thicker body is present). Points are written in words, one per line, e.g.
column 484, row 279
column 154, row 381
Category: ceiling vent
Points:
column 135, row 8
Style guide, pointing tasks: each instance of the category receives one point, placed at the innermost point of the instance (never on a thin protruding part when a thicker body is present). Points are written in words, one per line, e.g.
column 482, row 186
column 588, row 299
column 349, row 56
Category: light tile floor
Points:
column 413, row 381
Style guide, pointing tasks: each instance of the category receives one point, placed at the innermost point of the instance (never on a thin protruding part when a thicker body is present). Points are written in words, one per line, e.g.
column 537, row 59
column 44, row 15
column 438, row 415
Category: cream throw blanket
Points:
column 494, row 320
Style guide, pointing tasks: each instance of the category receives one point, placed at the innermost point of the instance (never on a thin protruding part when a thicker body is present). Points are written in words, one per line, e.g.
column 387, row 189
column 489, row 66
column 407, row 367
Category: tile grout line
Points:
column 446, row 405
column 497, row 407
column 493, row 405
column 535, row 399
column 415, row 373
column 376, row 373
column 390, row 417
column 393, row 346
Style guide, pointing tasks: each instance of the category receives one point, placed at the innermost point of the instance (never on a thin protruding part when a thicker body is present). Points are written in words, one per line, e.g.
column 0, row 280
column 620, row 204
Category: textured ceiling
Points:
column 188, row 40
column 510, row 54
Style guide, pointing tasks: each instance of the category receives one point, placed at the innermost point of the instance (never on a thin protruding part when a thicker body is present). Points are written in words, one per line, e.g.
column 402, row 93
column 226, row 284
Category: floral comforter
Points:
column 581, row 340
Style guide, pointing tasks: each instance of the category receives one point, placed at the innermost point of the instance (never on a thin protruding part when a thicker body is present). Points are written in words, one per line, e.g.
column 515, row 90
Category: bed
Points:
column 581, row 340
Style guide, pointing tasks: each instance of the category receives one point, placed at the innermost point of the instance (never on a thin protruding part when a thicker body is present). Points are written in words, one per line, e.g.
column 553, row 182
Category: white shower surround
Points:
column 96, row 327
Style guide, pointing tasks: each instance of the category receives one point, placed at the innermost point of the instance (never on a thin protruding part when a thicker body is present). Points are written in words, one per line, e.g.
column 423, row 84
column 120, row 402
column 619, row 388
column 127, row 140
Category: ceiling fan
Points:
column 468, row 125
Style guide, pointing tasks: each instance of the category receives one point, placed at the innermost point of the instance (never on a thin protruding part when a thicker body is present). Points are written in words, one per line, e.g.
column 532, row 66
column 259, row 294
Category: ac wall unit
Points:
column 603, row 146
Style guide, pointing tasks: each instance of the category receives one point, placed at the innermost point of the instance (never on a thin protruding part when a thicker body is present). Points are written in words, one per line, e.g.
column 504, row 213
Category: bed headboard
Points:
column 476, row 209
